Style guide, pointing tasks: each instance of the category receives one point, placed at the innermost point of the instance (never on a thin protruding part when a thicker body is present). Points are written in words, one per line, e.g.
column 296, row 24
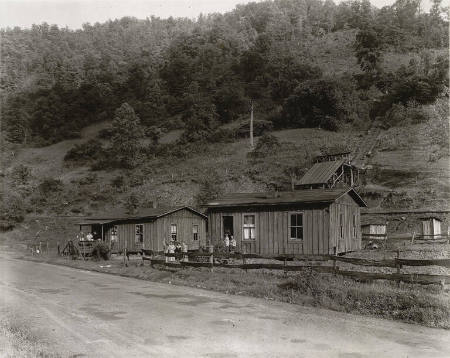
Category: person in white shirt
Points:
column 227, row 242
column 233, row 244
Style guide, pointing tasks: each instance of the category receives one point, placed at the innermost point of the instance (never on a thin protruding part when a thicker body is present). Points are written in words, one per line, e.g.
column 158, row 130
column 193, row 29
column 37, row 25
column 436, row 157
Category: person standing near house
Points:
column 89, row 236
column 171, row 250
column 232, row 244
column 227, row 242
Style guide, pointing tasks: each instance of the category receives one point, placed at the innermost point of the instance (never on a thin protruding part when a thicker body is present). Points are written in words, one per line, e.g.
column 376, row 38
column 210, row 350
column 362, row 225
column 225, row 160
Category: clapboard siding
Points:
column 272, row 230
column 157, row 230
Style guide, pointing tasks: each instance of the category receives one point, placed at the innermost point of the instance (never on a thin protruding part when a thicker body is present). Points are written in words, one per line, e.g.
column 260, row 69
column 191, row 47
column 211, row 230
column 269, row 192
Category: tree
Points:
column 125, row 144
column 368, row 46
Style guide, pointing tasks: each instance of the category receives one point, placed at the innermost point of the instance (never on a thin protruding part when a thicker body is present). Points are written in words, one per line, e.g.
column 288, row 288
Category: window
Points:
column 249, row 227
column 354, row 225
column 139, row 236
column 114, row 231
column 296, row 226
column 173, row 232
column 195, row 232
column 341, row 225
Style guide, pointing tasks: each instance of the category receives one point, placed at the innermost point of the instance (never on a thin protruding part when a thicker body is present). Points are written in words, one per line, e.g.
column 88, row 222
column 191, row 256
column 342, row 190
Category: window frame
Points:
column 195, row 233
column 245, row 227
column 141, row 234
column 291, row 239
column 173, row 232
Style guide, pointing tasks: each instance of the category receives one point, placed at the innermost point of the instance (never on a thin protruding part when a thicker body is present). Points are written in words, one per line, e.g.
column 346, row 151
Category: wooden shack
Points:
column 330, row 171
column 148, row 229
column 431, row 227
column 375, row 228
column 310, row 222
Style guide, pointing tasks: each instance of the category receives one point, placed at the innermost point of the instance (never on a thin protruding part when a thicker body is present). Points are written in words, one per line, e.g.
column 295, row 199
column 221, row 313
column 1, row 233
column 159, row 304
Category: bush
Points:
column 266, row 145
column 49, row 186
column 222, row 135
column 84, row 152
column 259, row 128
column 105, row 133
column 101, row 251
column 21, row 174
column 12, row 211
column 400, row 114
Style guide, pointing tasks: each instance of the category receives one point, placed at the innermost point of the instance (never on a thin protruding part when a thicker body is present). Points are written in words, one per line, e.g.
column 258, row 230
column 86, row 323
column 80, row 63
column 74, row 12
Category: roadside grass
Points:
column 424, row 305
column 17, row 341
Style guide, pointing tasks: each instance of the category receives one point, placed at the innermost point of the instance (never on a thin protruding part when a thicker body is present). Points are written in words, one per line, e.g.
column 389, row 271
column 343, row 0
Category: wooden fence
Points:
column 211, row 260
column 413, row 238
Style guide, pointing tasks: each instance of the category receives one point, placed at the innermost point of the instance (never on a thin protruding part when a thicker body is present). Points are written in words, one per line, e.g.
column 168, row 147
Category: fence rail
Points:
column 218, row 259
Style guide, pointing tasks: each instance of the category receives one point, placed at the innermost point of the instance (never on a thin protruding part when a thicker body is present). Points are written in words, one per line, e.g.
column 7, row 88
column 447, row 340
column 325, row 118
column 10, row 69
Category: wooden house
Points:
column 149, row 228
column 431, row 227
column 314, row 221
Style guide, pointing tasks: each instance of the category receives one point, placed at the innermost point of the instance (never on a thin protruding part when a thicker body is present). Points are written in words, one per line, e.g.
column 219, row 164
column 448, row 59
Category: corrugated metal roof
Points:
column 291, row 197
column 320, row 173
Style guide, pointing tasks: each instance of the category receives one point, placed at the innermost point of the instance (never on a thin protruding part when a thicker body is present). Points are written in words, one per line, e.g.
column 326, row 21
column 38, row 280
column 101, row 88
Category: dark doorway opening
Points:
column 227, row 225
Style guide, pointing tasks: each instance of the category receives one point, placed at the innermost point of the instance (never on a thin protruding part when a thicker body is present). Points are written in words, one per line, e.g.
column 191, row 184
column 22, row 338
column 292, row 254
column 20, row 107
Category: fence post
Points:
column 413, row 237
column 125, row 257
column 335, row 268
column 211, row 256
column 47, row 247
column 285, row 272
column 58, row 248
column 40, row 248
column 398, row 266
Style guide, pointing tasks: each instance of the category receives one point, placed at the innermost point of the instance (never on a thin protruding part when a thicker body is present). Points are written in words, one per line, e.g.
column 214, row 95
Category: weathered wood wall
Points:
column 185, row 220
column 349, row 241
column 272, row 230
column 156, row 231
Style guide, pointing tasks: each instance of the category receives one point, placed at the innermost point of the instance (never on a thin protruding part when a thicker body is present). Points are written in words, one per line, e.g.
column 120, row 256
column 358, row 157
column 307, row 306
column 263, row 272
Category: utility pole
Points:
column 251, row 126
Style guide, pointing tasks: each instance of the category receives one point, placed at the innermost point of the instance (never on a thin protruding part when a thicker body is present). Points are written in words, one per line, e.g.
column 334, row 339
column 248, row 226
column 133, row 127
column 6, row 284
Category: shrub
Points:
column 84, row 152
column 49, row 186
column 222, row 135
column 101, row 251
column 118, row 182
column 266, row 145
column 209, row 188
column 259, row 128
column 21, row 174
column 105, row 133
column 12, row 211
column 91, row 178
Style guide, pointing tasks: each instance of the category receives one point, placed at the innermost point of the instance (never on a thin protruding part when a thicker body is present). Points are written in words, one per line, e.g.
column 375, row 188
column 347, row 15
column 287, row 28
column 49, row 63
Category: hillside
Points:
column 132, row 112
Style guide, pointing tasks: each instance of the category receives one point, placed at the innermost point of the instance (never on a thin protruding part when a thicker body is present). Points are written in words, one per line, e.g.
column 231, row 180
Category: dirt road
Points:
column 79, row 313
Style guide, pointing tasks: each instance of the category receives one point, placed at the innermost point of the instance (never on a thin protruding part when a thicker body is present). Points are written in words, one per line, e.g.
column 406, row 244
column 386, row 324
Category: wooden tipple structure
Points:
column 330, row 171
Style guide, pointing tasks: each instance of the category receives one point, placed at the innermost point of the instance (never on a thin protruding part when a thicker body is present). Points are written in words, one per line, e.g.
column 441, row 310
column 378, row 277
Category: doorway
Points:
column 227, row 225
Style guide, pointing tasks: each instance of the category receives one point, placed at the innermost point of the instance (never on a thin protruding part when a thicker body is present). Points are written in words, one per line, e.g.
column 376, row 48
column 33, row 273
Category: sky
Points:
column 73, row 13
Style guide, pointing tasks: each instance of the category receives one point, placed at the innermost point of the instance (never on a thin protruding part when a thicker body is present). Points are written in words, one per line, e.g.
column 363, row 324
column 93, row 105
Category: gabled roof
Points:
column 320, row 173
column 151, row 213
column 307, row 196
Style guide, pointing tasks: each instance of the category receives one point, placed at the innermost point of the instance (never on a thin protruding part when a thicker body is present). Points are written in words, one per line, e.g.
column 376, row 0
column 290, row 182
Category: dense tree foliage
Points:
column 198, row 75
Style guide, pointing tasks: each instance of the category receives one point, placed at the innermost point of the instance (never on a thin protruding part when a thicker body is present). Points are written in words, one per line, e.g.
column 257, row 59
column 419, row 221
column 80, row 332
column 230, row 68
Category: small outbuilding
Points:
column 431, row 227
column 373, row 228
column 149, row 229
column 310, row 222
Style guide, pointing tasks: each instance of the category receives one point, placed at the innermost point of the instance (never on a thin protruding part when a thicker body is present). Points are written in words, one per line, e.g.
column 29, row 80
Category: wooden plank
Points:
column 424, row 262
column 408, row 278
column 365, row 262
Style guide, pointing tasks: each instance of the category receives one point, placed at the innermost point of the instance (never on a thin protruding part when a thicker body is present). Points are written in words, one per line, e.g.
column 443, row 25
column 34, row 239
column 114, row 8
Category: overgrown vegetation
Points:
column 198, row 75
